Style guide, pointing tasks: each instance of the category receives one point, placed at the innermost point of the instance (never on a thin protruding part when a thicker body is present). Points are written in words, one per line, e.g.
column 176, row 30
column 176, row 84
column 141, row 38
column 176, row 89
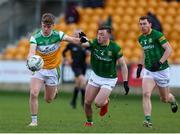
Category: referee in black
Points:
column 78, row 55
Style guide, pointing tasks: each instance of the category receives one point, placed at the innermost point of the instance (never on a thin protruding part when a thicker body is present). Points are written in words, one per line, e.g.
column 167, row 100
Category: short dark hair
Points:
column 107, row 28
column 145, row 18
column 48, row 18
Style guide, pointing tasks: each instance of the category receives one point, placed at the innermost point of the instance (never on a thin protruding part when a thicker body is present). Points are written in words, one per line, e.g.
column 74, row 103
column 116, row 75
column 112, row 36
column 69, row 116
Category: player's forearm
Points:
column 124, row 69
column 166, row 54
column 75, row 41
column 124, row 72
column 31, row 53
column 71, row 39
column 142, row 59
column 32, row 50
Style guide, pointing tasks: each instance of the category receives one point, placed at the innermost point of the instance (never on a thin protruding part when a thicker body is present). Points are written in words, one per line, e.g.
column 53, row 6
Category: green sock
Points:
column 89, row 118
column 148, row 118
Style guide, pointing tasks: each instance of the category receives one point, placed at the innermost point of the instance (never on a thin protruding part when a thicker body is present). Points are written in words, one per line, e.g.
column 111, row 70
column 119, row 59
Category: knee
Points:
column 98, row 104
column 146, row 94
column 164, row 99
column 87, row 102
column 34, row 94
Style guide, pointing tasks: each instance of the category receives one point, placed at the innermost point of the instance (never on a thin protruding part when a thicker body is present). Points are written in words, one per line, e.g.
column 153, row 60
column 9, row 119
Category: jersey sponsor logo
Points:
column 102, row 58
column 48, row 49
column 148, row 47
column 102, row 53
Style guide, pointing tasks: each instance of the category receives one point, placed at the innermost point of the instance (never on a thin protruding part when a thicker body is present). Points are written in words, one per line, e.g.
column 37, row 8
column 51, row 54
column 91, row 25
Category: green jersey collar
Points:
column 108, row 42
column 148, row 32
column 44, row 35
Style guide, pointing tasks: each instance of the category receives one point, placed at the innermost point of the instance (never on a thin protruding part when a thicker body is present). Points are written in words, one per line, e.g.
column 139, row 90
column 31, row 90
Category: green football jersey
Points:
column 103, row 58
column 153, row 50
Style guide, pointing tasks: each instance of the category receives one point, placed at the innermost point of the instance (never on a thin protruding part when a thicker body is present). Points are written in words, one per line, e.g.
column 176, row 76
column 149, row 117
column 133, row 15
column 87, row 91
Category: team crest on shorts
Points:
column 91, row 80
column 147, row 73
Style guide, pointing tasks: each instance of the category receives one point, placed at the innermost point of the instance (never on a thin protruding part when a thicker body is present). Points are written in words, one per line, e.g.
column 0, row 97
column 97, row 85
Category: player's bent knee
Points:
column 98, row 104
column 164, row 99
column 87, row 102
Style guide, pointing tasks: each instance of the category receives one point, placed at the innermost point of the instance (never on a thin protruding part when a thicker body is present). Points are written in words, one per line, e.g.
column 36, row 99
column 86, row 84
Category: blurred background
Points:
column 20, row 18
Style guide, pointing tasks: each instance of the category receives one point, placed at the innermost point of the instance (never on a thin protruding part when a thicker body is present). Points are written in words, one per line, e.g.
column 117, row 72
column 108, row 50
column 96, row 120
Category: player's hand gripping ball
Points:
column 35, row 63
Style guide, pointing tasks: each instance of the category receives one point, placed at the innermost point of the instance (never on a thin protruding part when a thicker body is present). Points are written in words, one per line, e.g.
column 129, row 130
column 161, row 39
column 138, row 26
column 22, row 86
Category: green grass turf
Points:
column 125, row 115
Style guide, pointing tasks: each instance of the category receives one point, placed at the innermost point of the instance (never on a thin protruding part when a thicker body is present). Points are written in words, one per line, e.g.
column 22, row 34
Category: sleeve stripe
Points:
column 31, row 42
column 162, row 38
column 61, row 35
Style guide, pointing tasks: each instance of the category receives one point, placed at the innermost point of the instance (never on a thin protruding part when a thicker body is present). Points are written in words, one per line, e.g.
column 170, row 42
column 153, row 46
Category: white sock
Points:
column 34, row 118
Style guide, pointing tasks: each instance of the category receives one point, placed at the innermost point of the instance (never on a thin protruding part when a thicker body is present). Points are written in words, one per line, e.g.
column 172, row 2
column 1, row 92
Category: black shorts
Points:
column 78, row 71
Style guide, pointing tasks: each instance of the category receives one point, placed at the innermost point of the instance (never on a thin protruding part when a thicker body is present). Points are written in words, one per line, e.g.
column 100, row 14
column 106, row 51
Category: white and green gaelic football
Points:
column 35, row 63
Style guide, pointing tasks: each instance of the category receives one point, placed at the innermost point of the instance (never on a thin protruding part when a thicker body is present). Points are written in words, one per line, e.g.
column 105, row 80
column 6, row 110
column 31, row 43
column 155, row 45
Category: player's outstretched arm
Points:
column 74, row 40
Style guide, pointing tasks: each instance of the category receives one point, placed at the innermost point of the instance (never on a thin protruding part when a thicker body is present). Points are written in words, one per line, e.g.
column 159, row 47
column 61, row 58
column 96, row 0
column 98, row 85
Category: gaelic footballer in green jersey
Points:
column 103, row 58
column 152, row 46
column 156, row 51
column 105, row 53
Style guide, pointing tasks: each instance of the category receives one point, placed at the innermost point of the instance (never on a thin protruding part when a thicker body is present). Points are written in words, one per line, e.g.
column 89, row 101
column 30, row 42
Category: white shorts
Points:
column 101, row 82
column 50, row 77
column 161, row 78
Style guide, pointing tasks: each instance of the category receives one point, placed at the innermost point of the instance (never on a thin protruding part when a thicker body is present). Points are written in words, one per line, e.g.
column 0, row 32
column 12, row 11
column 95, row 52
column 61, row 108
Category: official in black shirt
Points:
column 78, row 55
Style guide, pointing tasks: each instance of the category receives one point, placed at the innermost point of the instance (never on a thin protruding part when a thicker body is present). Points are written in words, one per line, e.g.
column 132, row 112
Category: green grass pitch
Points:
column 125, row 115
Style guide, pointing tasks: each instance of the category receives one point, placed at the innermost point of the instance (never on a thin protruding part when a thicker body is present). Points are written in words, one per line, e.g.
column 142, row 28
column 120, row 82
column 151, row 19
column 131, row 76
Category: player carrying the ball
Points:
column 46, row 43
